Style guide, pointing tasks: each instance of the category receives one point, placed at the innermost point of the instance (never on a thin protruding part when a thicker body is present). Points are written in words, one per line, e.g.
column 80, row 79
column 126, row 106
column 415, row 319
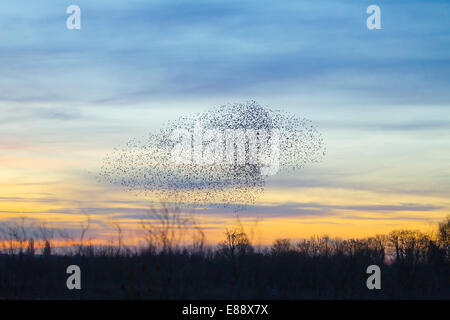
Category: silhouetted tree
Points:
column 30, row 248
column 47, row 249
column 444, row 236
column 281, row 247
column 236, row 243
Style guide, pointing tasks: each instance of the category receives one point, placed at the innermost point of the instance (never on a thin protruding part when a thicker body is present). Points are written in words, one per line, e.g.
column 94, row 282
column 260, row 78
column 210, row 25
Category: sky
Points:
column 380, row 98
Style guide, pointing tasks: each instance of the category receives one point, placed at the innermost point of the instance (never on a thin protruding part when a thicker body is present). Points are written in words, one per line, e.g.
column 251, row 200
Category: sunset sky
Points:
column 380, row 98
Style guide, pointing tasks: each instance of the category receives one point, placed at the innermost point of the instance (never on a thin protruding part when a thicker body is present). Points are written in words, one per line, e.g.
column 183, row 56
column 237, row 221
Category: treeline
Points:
column 414, row 265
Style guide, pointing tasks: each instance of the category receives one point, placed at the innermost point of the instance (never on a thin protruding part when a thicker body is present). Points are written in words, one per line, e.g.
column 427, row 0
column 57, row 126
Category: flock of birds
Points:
column 144, row 165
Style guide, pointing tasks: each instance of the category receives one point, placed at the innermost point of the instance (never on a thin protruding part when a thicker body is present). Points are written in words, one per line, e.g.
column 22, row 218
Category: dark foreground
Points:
column 288, row 274
column 412, row 265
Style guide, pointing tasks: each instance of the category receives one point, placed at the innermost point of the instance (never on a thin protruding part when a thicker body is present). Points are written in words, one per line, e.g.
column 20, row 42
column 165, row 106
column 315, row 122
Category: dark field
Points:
column 318, row 268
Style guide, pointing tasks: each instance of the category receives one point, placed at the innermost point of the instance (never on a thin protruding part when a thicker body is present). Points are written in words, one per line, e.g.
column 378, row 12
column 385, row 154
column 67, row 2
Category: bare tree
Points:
column 116, row 225
column 46, row 235
column 236, row 243
column 281, row 247
column 84, row 226
column 165, row 228
column 411, row 246
column 444, row 236
column 15, row 234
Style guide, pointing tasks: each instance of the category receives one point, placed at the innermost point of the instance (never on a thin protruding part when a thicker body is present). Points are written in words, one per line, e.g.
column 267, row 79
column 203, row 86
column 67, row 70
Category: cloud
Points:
column 399, row 125
column 33, row 114
column 139, row 211
column 137, row 51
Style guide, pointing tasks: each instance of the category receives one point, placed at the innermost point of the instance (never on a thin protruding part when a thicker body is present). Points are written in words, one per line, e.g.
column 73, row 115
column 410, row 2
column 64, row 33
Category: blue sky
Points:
column 131, row 52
